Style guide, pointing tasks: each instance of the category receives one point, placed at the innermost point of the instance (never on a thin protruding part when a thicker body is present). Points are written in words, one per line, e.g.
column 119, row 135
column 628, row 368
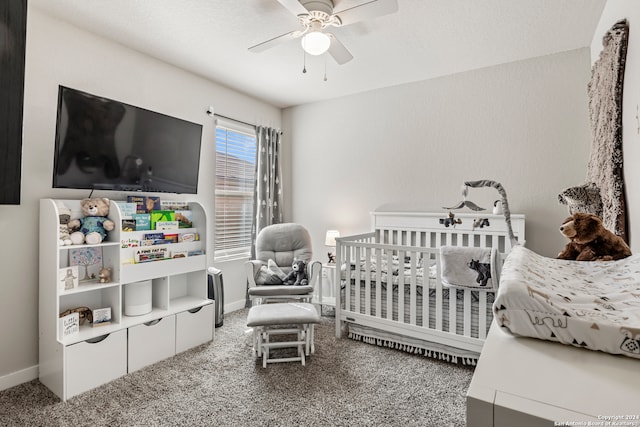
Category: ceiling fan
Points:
column 316, row 15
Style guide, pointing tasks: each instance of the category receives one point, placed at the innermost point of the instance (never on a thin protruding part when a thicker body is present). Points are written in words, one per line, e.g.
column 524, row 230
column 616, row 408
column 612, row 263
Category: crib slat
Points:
column 401, row 288
column 389, row 285
column 452, row 310
column 356, row 284
column 467, row 313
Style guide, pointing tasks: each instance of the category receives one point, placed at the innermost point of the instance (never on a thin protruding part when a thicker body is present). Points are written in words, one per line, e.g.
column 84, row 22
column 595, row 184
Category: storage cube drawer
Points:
column 194, row 327
column 91, row 363
column 151, row 342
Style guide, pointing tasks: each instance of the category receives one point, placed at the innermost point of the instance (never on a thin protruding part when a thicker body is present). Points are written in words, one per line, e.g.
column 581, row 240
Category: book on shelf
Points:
column 143, row 221
column 129, row 225
column 153, row 236
column 171, row 238
column 172, row 205
column 127, row 209
column 179, row 254
column 161, row 216
column 189, row 237
column 184, row 218
column 166, row 225
column 129, row 243
column 145, row 204
column 147, row 254
column 68, row 278
column 88, row 262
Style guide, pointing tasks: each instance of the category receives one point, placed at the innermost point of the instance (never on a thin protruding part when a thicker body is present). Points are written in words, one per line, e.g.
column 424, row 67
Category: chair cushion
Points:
column 283, row 243
column 282, row 314
column 276, row 290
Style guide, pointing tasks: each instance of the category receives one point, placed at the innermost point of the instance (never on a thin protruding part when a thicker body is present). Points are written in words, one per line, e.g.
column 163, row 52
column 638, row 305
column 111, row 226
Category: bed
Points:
column 392, row 287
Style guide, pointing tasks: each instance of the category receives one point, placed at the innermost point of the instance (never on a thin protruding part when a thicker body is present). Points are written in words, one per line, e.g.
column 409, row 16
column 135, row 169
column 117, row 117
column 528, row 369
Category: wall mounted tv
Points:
column 104, row 144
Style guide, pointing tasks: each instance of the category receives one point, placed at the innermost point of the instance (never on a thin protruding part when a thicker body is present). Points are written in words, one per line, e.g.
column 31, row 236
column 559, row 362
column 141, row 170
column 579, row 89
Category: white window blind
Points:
column 235, row 180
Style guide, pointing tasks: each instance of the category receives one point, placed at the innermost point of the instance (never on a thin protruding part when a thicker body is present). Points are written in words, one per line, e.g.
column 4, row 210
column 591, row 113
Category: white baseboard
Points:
column 19, row 377
column 234, row 306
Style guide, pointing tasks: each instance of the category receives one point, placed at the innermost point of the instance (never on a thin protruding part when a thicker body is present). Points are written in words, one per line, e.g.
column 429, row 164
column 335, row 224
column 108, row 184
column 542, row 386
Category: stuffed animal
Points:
column 93, row 227
column 104, row 276
column 64, row 216
column 590, row 240
column 298, row 274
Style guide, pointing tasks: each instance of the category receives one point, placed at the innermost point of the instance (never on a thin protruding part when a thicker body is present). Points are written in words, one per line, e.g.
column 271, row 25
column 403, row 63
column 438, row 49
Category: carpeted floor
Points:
column 345, row 383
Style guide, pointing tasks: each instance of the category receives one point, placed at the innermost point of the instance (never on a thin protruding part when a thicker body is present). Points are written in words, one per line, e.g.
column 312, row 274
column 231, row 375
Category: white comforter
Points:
column 595, row 305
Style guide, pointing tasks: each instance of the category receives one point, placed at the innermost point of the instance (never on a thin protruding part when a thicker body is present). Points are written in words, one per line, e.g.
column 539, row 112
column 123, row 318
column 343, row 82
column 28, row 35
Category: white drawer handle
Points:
column 153, row 322
column 195, row 310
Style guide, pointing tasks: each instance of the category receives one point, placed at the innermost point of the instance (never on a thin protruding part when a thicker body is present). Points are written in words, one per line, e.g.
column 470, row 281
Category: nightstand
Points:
column 326, row 290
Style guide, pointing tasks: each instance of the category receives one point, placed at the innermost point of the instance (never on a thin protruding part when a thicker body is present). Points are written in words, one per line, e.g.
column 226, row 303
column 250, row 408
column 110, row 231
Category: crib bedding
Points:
column 372, row 273
column 414, row 345
column 419, row 321
column 594, row 305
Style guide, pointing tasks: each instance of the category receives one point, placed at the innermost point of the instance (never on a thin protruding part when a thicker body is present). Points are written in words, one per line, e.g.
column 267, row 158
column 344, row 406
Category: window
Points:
column 235, row 180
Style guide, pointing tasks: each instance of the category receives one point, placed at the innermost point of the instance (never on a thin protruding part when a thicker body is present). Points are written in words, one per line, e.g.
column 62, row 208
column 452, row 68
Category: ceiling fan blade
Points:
column 294, row 7
column 338, row 51
column 368, row 10
column 261, row 47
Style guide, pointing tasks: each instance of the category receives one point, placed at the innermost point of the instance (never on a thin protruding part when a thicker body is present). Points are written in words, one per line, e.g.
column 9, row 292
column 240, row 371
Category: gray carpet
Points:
column 345, row 383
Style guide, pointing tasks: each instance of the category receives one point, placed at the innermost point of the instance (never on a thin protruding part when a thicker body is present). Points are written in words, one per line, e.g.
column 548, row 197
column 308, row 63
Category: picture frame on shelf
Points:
column 88, row 262
column 101, row 316
column 69, row 325
column 68, row 278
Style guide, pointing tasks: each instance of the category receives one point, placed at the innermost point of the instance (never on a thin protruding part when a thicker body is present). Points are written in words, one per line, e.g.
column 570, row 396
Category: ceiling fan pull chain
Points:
column 325, row 67
column 304, row 61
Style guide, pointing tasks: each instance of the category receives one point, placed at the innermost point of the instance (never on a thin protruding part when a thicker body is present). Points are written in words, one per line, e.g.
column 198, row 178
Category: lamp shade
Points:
column 315, row 43
column 330, row 238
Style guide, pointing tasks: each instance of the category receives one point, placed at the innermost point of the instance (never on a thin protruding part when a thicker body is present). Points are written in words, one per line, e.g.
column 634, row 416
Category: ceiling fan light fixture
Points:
column 315, row 42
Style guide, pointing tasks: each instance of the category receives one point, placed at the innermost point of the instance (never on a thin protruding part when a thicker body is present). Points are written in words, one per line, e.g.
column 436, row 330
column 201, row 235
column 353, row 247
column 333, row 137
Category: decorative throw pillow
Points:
column 584, row 198
column 270, row 274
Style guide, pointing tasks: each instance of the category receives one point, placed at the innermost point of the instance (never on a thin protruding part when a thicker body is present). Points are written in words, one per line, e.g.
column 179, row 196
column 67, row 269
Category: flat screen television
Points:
column 102, row 144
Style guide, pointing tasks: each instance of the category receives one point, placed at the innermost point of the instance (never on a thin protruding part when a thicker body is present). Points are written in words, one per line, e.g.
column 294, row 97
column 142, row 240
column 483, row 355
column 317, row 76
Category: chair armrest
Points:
column 251, row 268
column 313, row 272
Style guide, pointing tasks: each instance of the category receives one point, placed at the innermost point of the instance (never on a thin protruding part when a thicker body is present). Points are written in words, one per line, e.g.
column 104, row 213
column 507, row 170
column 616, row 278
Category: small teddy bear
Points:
column 104, row 276
column 590, row 240
column 92, row 229
column 298, row 274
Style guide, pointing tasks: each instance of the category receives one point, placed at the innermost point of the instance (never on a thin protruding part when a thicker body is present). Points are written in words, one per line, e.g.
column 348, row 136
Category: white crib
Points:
column 417, row 313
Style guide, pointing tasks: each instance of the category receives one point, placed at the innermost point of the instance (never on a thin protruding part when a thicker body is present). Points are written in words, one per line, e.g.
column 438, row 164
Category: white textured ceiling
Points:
column 424, row 39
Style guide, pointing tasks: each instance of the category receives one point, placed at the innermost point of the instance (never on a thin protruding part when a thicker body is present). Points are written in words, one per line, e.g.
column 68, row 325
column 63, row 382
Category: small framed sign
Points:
column 101, row 316
column 68, row 278
column 69, row 325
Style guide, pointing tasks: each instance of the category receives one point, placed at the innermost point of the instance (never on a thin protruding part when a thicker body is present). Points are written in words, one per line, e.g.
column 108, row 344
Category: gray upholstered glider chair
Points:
column 277, row 246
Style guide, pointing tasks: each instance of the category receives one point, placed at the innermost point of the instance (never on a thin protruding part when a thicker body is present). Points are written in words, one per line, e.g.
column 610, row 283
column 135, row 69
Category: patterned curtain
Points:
column 267, row 199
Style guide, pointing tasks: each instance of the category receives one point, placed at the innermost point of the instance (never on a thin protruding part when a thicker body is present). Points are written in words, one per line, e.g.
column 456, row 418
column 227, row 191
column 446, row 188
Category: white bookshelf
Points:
column 181, row 316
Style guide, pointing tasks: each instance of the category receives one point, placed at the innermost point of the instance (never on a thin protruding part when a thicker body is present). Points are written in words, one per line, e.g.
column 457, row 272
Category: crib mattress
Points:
column 593, row 305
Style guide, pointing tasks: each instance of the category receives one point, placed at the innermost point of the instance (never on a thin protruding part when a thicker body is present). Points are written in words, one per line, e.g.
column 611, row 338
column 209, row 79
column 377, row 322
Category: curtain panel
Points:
column 267, row 202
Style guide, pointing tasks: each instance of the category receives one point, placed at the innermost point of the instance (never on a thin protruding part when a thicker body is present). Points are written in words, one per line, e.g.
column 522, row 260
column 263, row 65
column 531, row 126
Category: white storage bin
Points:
column 138, row 298
column 91, row 363
column 151, row 342
column 194, row 327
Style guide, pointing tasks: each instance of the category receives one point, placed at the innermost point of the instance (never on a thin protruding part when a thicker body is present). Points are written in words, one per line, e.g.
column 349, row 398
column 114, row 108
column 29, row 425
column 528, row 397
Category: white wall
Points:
column 523, row 124
column 61, row 54
column 613, row 12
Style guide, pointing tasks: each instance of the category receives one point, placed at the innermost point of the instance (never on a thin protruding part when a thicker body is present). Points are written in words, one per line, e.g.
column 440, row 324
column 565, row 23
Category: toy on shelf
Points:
column 93, row 227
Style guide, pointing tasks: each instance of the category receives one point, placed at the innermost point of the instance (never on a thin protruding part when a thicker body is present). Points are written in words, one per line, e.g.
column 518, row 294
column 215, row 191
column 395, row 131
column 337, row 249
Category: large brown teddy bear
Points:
column 590, row 241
